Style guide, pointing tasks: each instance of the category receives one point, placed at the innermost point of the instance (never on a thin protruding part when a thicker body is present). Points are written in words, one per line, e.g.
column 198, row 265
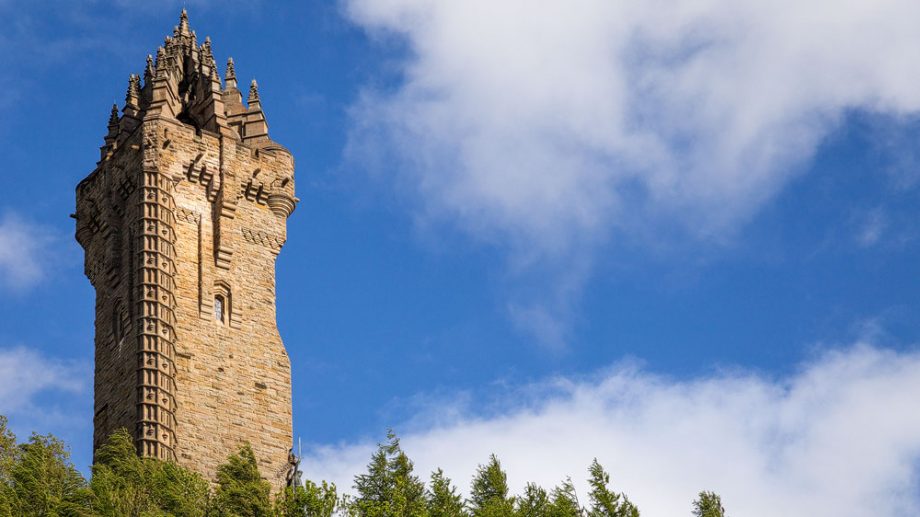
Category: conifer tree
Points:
column 177, row 491
column 605, row 502
column 489, row 491
column 241, row 491
column 8, row 454
column 565, row 501
column 42, row 481
column 708, row 505
column 125, row 484
column 119, row 482
column 443, row 499
column 310, row 500
column 389, row 488
column 534, row 503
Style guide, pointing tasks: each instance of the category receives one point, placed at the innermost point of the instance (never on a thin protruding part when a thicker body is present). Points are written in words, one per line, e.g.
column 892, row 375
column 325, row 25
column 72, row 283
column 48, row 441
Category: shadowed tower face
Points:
column 181, row 222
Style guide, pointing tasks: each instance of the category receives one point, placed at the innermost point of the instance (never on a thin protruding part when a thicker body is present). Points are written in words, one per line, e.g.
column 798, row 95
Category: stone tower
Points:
column 181, row 222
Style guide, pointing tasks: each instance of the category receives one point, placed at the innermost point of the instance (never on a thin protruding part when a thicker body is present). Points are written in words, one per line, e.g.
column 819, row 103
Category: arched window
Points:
column 224, row 308
column 219, row 304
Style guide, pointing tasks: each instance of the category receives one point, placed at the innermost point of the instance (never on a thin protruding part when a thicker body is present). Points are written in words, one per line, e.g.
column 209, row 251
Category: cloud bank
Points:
column 838, row 438
column 546, row 128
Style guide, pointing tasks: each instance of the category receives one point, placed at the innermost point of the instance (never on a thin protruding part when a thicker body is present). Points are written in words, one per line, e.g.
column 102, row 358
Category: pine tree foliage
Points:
column 708, row 505
column 565, row 501
column 489, row 491
column 125, row 484
column 241, row 491
column 605, row 502
column 534, row 503
column 443, row 499
column 389, row 488
column 39, row 478
column 310, row 500
column 8, row 455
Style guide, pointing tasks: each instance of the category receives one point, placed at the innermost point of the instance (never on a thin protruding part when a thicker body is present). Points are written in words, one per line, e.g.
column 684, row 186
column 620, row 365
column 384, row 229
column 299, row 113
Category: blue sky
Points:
column 668, row 209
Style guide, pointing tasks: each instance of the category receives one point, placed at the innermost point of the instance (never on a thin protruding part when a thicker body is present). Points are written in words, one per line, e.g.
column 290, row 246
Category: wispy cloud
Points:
column 547, row 127
column 838, row 438
column 23, row 252
column 27, row 374
column 47, row 394
column 871, row 227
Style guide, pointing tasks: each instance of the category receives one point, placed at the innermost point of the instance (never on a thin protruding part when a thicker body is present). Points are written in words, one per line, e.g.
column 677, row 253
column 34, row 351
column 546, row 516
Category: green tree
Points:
column 310, row 500
column 708, row 505
column 241, row 491
column 565, row 501
column 605, row 502
column 42, row 481
column 534, row 503
column 443, row 499
column 119, row 479
column 125, row 484
column 489, row 491
column 8, row 454
column 178, row 491
column 389, row 488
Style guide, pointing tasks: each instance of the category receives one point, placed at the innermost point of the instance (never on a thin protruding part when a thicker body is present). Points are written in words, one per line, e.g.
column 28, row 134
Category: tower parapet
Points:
column 181, row 222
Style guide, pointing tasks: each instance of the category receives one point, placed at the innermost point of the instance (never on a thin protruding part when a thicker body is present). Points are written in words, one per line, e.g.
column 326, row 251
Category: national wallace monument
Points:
column 181, row 222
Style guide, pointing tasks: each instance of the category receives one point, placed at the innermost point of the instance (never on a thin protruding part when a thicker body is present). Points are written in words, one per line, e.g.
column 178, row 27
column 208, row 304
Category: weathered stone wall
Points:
column 233, row 380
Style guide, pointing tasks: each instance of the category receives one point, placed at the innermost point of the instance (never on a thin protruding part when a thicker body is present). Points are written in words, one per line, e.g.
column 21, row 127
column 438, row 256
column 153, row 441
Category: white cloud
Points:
column 546, row 127
column 22, row 247
column 27, row 374
column 840, row 437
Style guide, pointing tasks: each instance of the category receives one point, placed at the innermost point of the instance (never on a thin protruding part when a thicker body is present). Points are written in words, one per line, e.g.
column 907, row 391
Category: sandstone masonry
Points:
column 181, row 222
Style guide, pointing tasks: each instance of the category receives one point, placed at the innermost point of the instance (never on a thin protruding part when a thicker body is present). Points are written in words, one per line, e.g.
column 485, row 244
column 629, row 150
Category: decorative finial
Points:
column 206, row 49
column 113, row 117
column 253, row 92
column 231, row 73
column 183, row 22
column 133, row 94
column 149, row 71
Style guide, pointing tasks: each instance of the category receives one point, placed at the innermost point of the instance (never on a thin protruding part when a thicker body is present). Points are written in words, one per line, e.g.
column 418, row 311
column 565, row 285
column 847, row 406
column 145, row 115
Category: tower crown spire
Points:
column 183, row 23
column 181, row 82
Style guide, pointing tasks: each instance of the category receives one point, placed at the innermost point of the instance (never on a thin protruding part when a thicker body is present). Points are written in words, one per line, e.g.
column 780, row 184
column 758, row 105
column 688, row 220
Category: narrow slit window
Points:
column 116, row 325
column 219, row 308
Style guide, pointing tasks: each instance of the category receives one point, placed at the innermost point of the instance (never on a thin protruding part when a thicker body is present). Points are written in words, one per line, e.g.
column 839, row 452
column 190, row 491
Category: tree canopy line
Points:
column 37, row 478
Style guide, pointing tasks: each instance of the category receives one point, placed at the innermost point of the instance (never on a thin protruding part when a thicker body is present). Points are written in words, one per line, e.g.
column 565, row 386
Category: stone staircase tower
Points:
column 181, row 222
